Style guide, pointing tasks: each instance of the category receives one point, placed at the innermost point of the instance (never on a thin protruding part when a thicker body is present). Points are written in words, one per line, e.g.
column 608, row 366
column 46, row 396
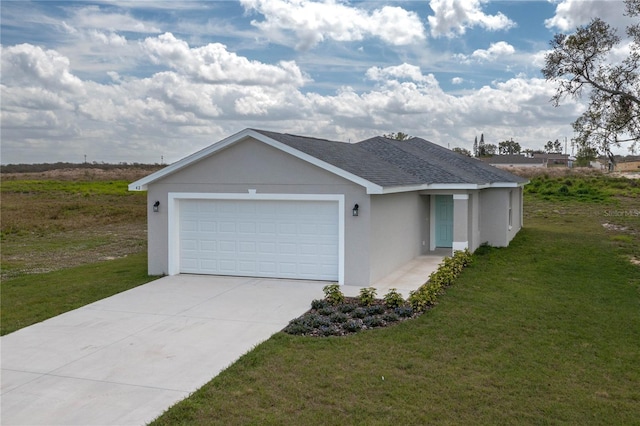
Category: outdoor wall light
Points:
column 355, row 210
column 156, row 206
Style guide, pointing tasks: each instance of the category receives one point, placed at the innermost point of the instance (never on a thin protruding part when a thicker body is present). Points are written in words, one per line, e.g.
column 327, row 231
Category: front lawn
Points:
column 29, row 299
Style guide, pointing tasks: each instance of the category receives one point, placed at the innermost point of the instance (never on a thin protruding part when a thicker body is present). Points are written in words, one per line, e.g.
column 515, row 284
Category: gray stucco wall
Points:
column 494, row 215
column 253, row 165
column 396, row 231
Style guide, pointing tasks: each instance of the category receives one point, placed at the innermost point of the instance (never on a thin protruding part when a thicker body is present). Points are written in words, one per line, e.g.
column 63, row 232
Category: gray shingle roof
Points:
column 388, row 162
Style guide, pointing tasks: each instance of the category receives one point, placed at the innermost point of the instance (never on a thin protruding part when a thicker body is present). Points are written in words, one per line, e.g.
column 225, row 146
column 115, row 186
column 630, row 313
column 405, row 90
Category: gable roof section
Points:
column 379, row 164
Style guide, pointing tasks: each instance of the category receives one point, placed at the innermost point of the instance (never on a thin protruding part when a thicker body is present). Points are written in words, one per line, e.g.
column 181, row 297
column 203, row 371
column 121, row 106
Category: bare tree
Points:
column 582, row 61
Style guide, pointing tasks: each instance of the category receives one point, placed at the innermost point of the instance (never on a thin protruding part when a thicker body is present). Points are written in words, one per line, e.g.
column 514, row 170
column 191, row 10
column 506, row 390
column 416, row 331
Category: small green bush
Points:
column 367, row 296
column 393, row 299
column 332, row 294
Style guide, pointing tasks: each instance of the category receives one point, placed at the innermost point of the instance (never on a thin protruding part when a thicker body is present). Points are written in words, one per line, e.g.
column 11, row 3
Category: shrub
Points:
column 353, row 325
column 319, row 304
column 332, row 294
column 421, row 299
column 327, row 310
column 338, row 317
column 359, row 313
column 367, row 296
column 375, row 310
column 391, row 317
column 404, row 311
column 298, row 326
column 316, row 321
column 393, row 299
column 346, row 308
column 372, row 321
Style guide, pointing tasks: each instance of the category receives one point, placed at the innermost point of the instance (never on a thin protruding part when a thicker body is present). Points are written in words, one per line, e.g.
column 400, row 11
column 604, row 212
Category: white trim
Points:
column 173, row 211
column 459, row 245
column 460, row 196
column 449, row 187
column 432, row 222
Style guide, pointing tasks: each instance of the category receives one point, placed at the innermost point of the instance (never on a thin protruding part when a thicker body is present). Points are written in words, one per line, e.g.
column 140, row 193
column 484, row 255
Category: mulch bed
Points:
column 348, row 317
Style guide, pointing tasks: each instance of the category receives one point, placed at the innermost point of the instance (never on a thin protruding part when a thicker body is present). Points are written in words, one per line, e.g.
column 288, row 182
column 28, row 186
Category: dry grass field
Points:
column 58, row 219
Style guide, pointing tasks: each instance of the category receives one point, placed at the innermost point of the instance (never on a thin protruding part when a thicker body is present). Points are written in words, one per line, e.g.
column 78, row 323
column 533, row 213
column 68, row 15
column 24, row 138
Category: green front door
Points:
column 444, row 220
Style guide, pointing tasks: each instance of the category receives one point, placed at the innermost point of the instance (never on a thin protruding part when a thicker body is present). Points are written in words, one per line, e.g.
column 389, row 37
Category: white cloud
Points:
column 453, row 17
column 95, row 18
column 214, row 64
column 312, row 22
column 457, row 80
column 209, row 93
column 570, row 14
column 399, row 72
column 495, row 51
column 32, row 66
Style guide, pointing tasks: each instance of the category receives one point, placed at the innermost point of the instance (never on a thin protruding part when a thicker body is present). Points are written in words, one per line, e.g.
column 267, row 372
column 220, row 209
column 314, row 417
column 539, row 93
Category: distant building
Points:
column 628, row 164
column 508, row 161
column 555, row 159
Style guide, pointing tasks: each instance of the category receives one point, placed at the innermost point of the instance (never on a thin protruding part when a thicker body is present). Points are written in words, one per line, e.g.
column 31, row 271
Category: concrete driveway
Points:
column 126, row 359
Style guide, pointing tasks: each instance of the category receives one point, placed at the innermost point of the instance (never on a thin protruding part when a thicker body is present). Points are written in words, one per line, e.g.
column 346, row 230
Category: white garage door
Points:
column 278, row 239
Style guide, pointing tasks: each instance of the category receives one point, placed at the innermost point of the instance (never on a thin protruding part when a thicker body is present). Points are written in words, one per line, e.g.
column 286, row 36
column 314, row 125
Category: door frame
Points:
column 433, row 223
column 173, row 212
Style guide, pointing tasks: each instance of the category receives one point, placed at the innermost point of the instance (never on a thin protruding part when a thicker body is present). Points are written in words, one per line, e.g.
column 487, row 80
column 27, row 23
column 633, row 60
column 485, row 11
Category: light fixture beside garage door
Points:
column 355, row 210
column 156, row 206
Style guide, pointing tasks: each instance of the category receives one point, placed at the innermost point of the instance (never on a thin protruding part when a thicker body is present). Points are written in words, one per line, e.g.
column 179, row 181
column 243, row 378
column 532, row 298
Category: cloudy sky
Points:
column 150, row 81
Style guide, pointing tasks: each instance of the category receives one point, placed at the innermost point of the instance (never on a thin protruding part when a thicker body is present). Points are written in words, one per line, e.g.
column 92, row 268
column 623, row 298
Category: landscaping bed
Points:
column 337, row 315
column 348, row 317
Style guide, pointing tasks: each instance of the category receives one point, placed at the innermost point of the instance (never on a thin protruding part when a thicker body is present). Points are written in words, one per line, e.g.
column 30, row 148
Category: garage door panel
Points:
column 228, row 247
column 287, row 239
column 247, row 247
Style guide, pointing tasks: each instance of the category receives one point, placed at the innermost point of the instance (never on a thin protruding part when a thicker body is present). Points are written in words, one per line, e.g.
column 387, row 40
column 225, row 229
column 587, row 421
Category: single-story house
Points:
column 268, row 204
column 509, row 161
column 555, row 159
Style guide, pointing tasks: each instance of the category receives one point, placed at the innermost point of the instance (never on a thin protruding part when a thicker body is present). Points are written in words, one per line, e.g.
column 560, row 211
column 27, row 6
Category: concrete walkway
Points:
column 127, row 358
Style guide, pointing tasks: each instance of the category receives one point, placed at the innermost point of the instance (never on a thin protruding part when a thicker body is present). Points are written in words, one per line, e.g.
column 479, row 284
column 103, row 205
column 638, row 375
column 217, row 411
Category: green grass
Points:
column 543, row 332
column 84, row 188
column 54, row 224
column 582, row 188
column 29, row 299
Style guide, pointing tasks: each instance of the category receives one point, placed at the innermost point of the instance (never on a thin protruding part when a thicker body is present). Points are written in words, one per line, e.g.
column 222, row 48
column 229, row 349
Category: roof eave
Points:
column 448, row 186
